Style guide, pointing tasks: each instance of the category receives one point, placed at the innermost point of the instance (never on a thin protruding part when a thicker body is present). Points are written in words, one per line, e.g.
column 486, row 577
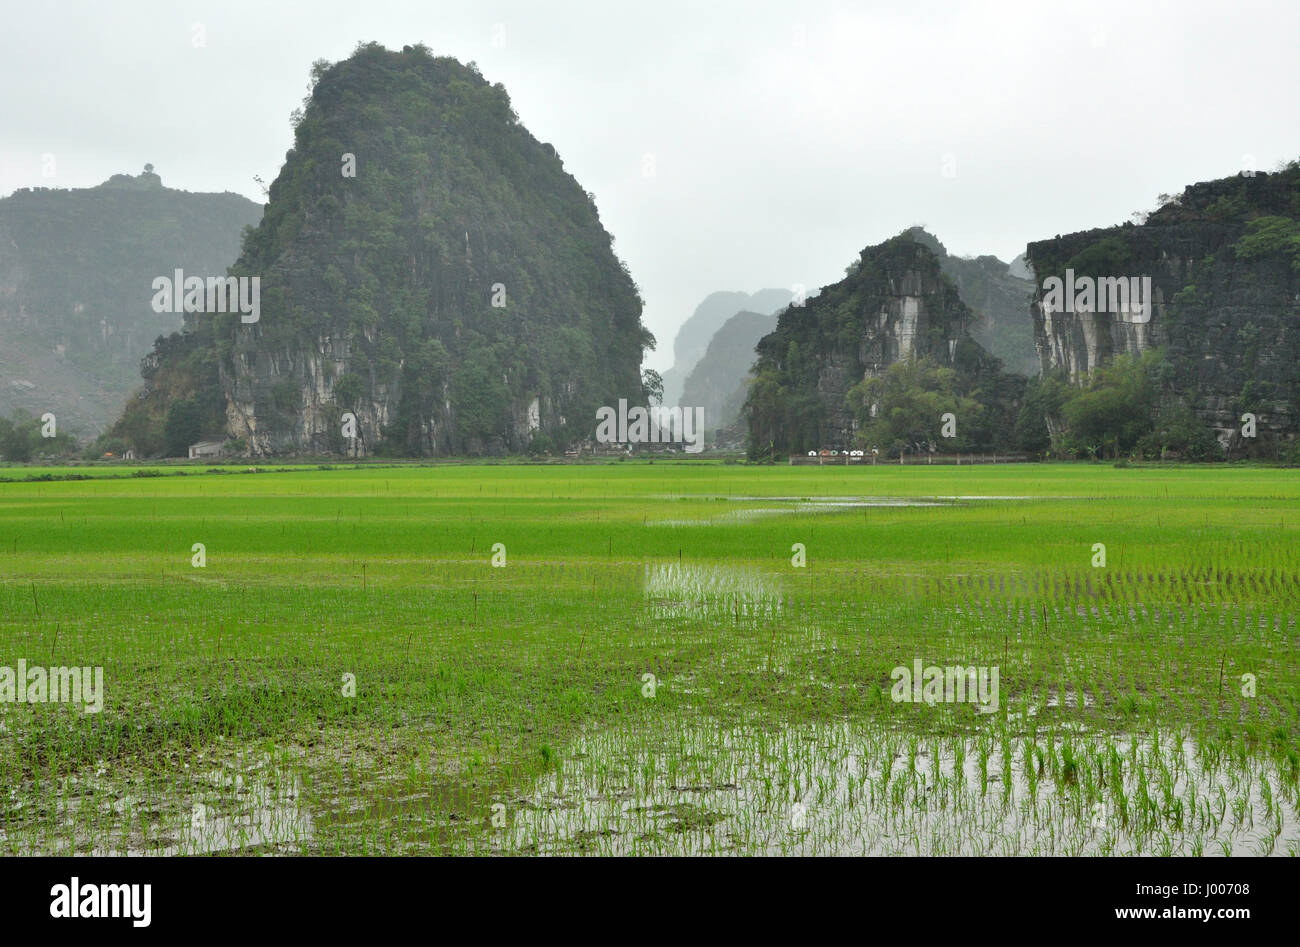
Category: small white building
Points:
column 207, row 449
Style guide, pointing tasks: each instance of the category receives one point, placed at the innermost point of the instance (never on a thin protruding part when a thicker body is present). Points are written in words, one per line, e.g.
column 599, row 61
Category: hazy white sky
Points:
column 785, row 136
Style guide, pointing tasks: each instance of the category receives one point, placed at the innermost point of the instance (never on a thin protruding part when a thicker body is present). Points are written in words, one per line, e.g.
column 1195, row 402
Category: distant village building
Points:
column 207, row 449
column 828, row 455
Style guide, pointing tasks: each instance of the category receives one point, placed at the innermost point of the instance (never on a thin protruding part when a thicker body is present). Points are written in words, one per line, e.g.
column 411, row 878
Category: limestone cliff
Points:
column 426, row 265
column 998, row 293
column 894, row 304
column 1224, row 263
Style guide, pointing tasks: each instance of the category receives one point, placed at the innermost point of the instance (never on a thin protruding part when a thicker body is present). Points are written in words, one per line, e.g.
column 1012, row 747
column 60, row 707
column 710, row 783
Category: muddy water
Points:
column 842, row 790
column 261, row 811
column 264, row 814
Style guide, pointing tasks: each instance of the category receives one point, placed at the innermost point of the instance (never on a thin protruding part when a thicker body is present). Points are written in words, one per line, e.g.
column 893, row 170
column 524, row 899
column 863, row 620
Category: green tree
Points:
column 1178, row 431
column 1044, row 397
column 903, row 409
column 1115, row 408
column 652, row 384
column 765, row 408
column 15, row 441
column 182, row 427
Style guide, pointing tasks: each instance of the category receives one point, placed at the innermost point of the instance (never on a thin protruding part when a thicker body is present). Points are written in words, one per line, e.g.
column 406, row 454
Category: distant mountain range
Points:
column 76, row 267
column 692, row 339
column 718, row 381
column 433, row 282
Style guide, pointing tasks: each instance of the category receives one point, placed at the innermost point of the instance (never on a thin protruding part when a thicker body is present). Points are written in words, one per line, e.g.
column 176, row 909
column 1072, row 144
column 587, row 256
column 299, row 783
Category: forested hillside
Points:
column 76, row 266
column 427, row 265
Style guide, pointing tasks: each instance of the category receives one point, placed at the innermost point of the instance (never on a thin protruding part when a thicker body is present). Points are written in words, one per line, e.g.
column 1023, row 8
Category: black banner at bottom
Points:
column 147, row 897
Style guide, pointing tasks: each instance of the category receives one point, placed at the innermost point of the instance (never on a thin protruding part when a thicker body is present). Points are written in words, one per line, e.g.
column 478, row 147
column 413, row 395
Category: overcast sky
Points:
column 784, row 137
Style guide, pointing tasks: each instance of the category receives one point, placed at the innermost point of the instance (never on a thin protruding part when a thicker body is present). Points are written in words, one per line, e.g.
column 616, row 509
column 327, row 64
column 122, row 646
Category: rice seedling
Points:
column 652, row 669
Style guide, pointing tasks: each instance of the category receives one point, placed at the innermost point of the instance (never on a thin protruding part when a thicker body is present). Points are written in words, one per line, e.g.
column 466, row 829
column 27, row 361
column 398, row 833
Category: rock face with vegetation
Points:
column 693, row 338
column 1224, row 263
column 76, row 269
column 427, row 266
column 894, row 306
column 999, row 294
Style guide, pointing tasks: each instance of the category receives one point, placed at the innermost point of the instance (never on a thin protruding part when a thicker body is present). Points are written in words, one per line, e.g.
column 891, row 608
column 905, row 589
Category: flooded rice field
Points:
column 518, row 660
column 843, row 790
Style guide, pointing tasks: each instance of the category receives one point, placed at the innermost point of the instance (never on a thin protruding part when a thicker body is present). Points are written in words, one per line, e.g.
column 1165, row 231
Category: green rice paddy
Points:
column 647, row 670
